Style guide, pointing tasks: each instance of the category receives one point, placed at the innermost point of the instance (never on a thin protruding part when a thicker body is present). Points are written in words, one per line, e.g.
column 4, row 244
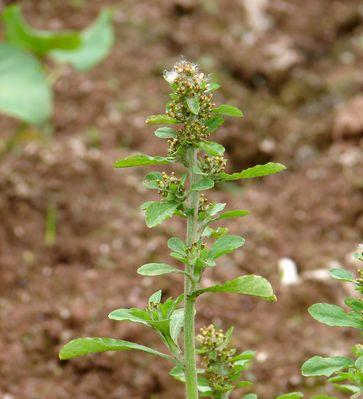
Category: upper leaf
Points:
column 256, row 171
column 165, row 133
column 225, row 245
column 214, row 123
column 157, row 269
column 19, row 33
column 161, row 119
column 212, row 148
column 326, row 366
column 334, row 316
column 156, row 212
column 232, row 214
column 97, row 41
column 24, row 91
column 203, row 184
column 133, row 314
column 142, row 160
column 228, row 110
column 193, row 105
column 248, row 285
column 85, row 346
column 342, row 274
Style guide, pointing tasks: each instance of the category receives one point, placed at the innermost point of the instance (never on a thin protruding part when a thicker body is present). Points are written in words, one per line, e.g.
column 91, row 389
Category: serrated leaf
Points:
column 333, row 315
column 212, row 148
column 228, row 110
column 97, row 41
column 24, row 91
column 214, row 123
column 157, row 269
column 165, row 133
column 326, row 366
column 203, row 184
column 151, row 180
column 177, row 245
column 142, row 160
column 40, row 42
column 342, row 274
column 225, row 245
column 133, row 314
column 176, row 324
column 292, row 395
column 161, row 119
column 85, row 346
column 193, row 105
column 247, row 285
column 157, row 212
column 232, row 214
column 256, row 171
column 155, row 297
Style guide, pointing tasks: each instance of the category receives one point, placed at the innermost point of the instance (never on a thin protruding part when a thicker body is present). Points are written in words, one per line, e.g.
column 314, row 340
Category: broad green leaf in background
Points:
column 24, row 92
column 317, row 365
column 165, row 133
column 247, row 285
column 133, row 314
column 225, row 245
column 20, row 34
column 291, row 395
column 256, row 171
column 342, row 274
column 157, row 269
column 96, row 42
column 160, row 120
column 334, row 316
column 141, row 160
column 85, row 346
column 212, row 148
column 156, row 212
column 228, row 110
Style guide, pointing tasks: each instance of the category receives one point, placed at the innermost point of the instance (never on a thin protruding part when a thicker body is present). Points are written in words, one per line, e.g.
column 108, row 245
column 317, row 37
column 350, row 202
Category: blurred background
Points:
column 72, row 234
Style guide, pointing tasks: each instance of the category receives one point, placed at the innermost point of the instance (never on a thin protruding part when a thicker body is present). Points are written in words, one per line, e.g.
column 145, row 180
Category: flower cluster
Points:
column 214, row 165
column 170, row 187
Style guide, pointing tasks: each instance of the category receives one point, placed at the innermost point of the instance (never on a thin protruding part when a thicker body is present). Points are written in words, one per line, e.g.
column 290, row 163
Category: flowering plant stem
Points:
column 190, row 286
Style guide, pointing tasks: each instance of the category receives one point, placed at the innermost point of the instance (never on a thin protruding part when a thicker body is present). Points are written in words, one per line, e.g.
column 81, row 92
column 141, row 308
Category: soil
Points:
column 297, row 74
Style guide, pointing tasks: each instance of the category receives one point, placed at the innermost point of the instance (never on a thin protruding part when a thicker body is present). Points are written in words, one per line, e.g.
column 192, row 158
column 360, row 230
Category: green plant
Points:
column 344, row 372
column 192, row 110
column 25, row 88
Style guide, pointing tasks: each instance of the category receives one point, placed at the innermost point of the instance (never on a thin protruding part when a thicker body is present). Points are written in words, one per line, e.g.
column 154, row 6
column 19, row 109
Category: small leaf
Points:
column 359, row 364
column 250, row 396
column 165, row 133
column 334, row 316
column 247, row 285
column 161, row 119
column 157, row 269
column 142, row 160
column 214, row 123
column 212, row 148
column 203, row 184
column 158, row 212
column 155, row 297
column 256, row 171
column 177, row 245
column 176, row 324
column 225, row 245
column 292, row 395
column 84, row 346
column 327, row 366
column 228, row 110
column 232, row 214
column 151, row 180
column 193, row 105
column 342, row 274
column 97, row 41
column 212, row 86
column 133, row 314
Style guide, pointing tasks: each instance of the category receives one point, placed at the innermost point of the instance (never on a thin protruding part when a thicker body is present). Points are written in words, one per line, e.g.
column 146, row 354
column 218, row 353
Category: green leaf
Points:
column 212, row 148
column 359, row 364
column 203, row 184
column 232, row 214
column 214, row 123
column 333, row 315
column 256, row 171
column 142, row 160
column 327, row 366
column 165, row 133
column 157, row 269
column 155, row 297
column 228, row 110
column 342, row 274
column 20, row 34
column 97, row 41
column 161, row 119
column 292, row 395
column 193, row 105
column 176, row 324
column 24, row 92
column 151, row 180
column 247, row 285
column 86, row 346
column 158, row 212
column 225, row 245
column 250, row 396
column 133, row 314
column 177, row 245
column 212, row 86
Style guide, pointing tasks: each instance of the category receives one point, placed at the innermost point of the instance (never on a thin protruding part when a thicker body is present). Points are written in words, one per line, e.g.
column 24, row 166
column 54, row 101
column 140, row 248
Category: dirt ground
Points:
column 296, row 71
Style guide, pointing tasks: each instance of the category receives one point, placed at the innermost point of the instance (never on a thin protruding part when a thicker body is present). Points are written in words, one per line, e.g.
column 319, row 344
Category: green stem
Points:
column 189, row 286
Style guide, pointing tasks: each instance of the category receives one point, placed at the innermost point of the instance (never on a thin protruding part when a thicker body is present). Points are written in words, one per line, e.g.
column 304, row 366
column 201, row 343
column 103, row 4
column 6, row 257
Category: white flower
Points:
column 171, row 76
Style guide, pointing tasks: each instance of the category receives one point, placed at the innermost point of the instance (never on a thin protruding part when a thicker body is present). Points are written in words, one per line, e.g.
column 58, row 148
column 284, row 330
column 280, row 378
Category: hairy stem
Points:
column 189, row 286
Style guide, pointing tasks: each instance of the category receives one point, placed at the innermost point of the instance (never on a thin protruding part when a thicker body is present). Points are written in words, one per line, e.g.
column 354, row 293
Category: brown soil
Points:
column 296, row 72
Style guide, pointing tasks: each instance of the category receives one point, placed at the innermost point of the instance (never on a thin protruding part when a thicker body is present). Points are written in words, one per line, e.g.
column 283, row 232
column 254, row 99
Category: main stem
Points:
column 189, row 286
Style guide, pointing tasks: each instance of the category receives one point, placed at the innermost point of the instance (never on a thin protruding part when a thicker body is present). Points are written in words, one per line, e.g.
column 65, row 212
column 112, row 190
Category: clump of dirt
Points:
column 296, row 73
